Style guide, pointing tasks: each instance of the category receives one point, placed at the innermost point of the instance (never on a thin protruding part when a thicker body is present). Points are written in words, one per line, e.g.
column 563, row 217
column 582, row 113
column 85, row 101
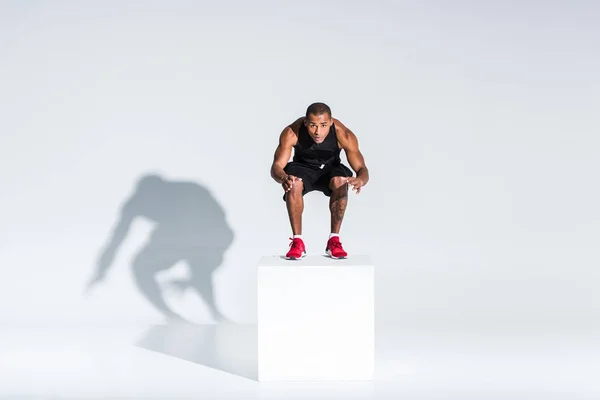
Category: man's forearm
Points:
column 363, row 175
column 278, row 174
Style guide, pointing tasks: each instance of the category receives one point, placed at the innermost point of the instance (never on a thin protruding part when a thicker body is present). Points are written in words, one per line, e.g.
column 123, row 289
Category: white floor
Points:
column 219, row 361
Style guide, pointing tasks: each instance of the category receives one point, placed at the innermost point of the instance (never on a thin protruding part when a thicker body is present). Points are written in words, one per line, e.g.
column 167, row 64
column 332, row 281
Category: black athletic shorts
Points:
column 315, row 178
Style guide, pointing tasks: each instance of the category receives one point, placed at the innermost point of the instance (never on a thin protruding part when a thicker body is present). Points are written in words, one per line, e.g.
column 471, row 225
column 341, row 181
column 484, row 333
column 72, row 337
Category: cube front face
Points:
column 315, row 322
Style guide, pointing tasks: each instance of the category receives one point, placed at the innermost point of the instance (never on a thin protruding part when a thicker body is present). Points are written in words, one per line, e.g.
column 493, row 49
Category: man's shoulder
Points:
column 340, row 129
column 289, row 135
column 295, row 126
column 292, row 130
column 339, row 125
column 344, row 135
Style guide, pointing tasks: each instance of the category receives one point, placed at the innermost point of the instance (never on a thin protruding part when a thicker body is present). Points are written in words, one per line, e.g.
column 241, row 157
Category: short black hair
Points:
column 318, row 109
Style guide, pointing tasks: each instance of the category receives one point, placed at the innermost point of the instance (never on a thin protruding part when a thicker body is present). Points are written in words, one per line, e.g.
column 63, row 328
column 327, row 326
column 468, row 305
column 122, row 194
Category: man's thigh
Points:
column 308, row 174
column 322, row 184
column 340, row 170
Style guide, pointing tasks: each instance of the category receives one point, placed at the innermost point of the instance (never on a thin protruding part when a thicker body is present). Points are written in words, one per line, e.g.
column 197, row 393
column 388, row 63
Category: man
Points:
column 317, row 140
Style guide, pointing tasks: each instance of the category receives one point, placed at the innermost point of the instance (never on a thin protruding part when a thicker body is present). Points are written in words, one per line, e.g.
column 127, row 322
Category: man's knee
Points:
column 338, row 182
column 297, row 188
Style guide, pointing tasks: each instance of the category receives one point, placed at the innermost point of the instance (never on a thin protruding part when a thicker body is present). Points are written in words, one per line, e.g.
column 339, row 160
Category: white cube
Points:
column 316, row 319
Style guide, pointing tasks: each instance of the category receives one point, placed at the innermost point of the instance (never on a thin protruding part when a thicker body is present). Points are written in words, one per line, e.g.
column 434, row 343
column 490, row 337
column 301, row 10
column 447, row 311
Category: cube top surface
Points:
column 315, row 261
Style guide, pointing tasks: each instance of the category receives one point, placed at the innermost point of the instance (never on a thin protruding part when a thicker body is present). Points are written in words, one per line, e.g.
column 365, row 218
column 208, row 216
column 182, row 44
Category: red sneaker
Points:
column 297, row 249
column 334, row 248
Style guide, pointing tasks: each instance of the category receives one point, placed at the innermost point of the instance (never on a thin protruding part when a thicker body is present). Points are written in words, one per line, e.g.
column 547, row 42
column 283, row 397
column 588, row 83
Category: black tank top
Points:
column 317, row 154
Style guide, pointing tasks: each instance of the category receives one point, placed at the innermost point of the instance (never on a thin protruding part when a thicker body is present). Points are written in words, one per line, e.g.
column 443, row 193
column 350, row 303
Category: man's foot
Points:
column 297, row 249
column 334, row 248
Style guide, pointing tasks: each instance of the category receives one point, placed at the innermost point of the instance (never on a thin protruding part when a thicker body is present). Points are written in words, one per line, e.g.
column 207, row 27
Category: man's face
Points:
column 318, row 126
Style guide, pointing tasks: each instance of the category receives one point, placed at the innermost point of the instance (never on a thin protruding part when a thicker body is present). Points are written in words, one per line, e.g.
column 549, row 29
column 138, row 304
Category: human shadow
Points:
column 190, row 226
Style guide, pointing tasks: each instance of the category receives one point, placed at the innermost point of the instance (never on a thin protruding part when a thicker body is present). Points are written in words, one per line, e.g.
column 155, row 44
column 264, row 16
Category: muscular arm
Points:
column 349, row 142
column 283, row 152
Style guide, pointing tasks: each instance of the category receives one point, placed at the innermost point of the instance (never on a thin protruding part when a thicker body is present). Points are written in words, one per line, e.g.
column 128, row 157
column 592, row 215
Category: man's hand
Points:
column 356, row 184
column 288, row 182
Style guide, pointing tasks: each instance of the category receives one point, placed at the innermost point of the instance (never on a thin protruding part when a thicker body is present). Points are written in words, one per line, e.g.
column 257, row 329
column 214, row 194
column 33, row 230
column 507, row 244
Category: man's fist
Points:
column 356, row 184
column 289, row 181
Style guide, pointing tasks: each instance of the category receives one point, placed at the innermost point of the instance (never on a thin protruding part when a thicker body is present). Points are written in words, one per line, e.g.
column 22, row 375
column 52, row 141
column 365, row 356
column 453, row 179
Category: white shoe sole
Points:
column 294, row 258
column 331, row 256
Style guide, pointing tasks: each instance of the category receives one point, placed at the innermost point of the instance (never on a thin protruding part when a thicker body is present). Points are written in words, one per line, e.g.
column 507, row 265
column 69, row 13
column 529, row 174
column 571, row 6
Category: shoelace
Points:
column 334, row 244
column 295, row 243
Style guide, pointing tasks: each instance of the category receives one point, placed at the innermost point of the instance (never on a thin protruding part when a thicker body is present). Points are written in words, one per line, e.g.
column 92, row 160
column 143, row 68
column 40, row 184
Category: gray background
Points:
column 478, row 121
